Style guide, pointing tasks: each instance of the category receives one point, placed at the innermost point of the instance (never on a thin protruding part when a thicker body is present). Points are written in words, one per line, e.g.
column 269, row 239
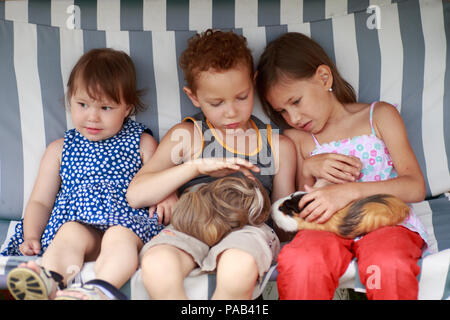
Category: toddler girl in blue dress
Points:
column 88, row 172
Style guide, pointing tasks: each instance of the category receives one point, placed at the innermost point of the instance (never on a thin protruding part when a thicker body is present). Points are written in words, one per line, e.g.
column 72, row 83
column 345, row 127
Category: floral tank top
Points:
column 376, row 161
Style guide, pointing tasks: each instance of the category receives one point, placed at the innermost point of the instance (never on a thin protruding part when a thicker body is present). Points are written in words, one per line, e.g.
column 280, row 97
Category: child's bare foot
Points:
column 30, row 265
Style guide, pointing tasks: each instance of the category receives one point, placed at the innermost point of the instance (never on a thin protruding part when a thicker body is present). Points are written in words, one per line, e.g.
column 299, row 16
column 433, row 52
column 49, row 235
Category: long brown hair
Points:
column 109, row 72
column 295, row 56
column 215, row 209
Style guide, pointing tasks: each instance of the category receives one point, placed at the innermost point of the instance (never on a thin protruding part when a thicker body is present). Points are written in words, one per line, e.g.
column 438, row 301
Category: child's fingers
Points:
column 36, row 247
column 247, row 173
column 307, row 208
column 325, row 217
column 151, row 211
column 167, row 214
column 337, row 176
column 26, row 249
column 315, row 213
column 243, row 163
column 160, row 213
column 342, row 167
column 350, row 160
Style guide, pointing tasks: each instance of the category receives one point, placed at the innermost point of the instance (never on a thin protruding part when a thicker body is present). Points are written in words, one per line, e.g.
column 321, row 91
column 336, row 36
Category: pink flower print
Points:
column 344, row 141
column 372, row 161
column 377, row 177
column 360, row 176
column 373, row 153
column 352, row 152
column 334, row 151
column 390, row 163
column 386, row 150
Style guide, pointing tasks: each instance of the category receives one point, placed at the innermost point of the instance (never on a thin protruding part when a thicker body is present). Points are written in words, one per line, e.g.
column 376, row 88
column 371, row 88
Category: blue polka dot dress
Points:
column 94, row 180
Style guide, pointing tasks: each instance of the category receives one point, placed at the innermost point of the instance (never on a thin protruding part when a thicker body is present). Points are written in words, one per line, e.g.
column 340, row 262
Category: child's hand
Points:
column 319, row 205
column 30, row 247
column 164, row 209
column 217, row 167
column 333, row 167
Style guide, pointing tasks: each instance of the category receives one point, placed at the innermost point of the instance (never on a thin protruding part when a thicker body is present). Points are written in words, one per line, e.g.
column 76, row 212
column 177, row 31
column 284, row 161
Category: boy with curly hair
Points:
column 223, row 139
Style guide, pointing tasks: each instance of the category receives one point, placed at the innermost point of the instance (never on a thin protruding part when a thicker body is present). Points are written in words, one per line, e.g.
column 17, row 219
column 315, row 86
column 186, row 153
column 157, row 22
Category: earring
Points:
column 331, row 89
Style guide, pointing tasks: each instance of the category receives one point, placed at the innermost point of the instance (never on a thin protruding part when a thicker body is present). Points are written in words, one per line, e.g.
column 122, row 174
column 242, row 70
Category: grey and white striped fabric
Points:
column 396, row 51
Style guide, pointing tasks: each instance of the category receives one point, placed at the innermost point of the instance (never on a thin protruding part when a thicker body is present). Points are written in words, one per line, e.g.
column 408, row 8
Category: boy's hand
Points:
column 164, row 209
column 30, row 247
column 217, row 167
column 333, row 167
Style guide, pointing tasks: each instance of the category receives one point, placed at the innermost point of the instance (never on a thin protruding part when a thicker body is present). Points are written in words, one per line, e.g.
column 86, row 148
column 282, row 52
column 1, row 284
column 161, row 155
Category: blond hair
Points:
column 215, row 209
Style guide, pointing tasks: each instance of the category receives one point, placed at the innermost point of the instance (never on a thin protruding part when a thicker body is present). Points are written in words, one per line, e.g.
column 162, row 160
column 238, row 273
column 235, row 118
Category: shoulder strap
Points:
column 315, row 140
column 371, row 117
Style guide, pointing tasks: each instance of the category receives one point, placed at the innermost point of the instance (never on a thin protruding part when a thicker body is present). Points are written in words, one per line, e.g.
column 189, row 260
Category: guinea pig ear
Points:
column 256, row 207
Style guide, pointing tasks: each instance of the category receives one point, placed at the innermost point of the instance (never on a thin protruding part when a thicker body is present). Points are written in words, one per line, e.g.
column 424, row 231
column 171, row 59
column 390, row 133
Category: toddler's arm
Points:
column 42, row 198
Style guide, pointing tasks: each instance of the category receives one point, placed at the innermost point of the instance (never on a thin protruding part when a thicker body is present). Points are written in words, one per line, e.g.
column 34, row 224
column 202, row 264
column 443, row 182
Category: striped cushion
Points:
column 404, row 62
column 403, row 59
column 434, row 278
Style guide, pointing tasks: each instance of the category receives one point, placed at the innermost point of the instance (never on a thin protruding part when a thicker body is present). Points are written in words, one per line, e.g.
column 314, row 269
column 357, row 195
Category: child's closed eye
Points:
column 216, row 104
column 296, row 102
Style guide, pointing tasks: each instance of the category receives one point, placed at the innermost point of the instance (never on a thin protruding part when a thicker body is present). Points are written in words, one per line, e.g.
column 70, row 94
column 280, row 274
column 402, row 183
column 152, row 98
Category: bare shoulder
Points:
column 282, row 146
column 54, row 149
column 181, row 129
column 386, row 117
column 178, row 144
column 302, row 140
column 385, row 109
column 56, row 145
column 363, row 109
column 297, row 136
column 285, row 140
column 357, row 107
column 385, row 114
column 148, row 146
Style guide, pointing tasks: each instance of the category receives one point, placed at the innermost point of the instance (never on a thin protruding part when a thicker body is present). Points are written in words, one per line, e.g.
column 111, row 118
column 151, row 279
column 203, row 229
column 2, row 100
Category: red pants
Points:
column 311, row 264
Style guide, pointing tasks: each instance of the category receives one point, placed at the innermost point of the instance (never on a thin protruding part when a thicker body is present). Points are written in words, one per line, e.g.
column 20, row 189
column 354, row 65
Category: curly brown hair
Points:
column 214, row 49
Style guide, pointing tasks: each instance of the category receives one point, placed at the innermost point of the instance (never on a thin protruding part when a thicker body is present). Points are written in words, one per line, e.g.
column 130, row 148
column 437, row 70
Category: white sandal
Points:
column 26, row 284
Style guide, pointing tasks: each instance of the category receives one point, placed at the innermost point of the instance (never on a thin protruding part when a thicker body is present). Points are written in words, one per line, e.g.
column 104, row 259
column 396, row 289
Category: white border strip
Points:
column 154, row 15
column 391, row 48
column 71, row 42
column 30, row 103
column 346, row 50
column 166, row 80
column 108, row 15
column 200, row 15
column 433, row 96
